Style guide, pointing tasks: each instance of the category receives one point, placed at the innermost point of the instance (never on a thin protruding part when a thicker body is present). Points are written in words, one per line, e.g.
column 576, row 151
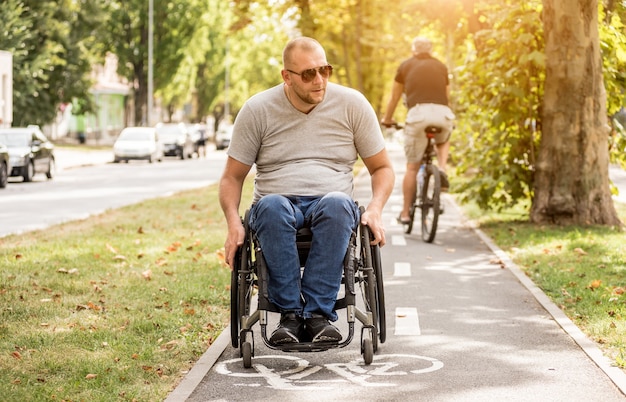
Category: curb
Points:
column 200, row 369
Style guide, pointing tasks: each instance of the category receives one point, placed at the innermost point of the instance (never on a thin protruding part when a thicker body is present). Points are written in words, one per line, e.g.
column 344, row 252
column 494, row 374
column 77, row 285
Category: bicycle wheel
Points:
column 430, row 203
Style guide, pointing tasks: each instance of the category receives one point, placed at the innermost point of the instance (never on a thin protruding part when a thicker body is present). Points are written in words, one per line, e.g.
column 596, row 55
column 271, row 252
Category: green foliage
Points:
column 613, row 47
column 498, row 106
column 50, row 42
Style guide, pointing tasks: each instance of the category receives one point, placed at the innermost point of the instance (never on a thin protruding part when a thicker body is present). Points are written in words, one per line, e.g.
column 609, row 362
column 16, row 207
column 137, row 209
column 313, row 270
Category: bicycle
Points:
column 428, row 195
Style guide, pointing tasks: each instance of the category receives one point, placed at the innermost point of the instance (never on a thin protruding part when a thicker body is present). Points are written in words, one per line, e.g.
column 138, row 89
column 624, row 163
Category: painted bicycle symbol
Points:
column 285, row 372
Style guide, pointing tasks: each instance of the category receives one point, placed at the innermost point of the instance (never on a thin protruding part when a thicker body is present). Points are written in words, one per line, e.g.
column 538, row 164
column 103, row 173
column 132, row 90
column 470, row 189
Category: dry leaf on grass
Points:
column 580, row 251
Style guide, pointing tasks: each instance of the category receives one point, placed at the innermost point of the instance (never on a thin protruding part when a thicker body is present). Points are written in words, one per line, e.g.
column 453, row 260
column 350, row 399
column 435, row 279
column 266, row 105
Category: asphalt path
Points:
column 463, row 324
column 89, row 183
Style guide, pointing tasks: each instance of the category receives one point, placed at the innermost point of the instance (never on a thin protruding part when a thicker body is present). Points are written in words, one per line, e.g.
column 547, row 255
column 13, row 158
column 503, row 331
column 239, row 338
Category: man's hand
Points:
column 234, row 239
column 374, row 221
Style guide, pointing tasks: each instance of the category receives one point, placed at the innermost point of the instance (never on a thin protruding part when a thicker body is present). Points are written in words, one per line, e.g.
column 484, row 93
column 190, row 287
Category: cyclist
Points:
column 423, row 82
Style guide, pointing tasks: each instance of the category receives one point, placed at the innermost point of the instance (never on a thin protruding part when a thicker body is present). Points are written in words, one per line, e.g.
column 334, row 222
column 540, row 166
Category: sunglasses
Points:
column 309, row 75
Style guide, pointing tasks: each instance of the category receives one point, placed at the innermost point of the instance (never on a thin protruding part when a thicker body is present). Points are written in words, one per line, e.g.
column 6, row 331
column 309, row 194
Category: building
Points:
column 6, row 89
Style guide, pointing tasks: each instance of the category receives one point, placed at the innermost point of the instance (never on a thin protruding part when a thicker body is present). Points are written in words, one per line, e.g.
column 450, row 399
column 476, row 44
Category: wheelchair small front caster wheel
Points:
column 246, row 354
column 368, row 351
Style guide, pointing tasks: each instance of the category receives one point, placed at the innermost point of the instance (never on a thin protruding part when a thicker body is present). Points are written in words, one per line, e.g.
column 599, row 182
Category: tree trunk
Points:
column 571, row 182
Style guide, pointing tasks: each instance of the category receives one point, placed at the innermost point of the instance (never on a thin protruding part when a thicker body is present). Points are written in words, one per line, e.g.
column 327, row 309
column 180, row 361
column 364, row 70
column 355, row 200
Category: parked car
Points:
column 198, row 134
column 138, row 143
column 176, row 140
column 29, row 150
column 223, row 136
column 5, row 165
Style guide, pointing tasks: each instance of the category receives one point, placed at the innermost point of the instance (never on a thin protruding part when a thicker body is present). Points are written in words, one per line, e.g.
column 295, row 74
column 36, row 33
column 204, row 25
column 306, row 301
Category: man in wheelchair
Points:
column 304, row 137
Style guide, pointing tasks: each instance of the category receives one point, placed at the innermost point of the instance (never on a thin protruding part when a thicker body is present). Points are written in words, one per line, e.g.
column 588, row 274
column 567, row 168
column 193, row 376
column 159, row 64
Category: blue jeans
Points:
column 332, row 219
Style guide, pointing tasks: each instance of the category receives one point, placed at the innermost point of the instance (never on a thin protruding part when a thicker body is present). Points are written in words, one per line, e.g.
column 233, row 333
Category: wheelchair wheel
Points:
column 241, row 287
column 247, row 350
column 368, row 351
column 372, row 288
column 430, row 203
column 234, row 303
column 380, row 294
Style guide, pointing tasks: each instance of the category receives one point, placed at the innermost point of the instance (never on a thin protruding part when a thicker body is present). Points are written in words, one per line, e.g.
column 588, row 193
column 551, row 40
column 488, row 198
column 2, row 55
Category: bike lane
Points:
column 463, row 324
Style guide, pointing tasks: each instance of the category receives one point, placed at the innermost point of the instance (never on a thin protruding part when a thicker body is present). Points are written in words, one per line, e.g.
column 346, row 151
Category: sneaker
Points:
column 445, row 184
column 288, row 329
column 321, row 330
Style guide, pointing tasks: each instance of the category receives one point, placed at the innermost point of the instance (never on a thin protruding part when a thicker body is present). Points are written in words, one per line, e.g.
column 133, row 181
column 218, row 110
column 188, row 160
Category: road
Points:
column 76, row 193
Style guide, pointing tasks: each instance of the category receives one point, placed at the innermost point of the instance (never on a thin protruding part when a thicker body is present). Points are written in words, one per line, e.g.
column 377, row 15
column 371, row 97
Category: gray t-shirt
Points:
column 305, row 154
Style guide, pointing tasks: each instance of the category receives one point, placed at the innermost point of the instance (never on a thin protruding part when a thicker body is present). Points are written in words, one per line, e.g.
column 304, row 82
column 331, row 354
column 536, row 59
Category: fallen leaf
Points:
column 140, row 230
column 119, row 257
column 17, row 355
column 91, row 376
column 62, row 271
column 147, row 274
column 18, row 256
column 580, row 251
column 111, row 248
column 595, row 284
column 618, row 290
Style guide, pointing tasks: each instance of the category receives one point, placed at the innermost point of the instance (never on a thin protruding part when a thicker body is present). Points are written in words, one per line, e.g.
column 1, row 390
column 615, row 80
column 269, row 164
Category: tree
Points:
column 571, row 182
column 126, row 35
column 50, row 42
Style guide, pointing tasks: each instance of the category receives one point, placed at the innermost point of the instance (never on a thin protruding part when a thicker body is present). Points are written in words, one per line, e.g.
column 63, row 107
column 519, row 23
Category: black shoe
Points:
column 288, row 329
column 445, row 184
column 321, row 330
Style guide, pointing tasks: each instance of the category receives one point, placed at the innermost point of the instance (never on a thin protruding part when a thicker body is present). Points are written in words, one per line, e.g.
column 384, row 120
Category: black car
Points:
column 4, row 165
column 29, row 150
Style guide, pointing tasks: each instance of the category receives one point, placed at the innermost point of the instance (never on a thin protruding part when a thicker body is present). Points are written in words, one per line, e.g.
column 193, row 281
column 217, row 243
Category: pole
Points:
column 150, row 50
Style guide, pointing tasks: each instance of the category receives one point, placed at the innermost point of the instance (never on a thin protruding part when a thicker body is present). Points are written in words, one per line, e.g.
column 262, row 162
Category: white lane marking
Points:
column 398, row 240
column 402, row 269
column 407, row 321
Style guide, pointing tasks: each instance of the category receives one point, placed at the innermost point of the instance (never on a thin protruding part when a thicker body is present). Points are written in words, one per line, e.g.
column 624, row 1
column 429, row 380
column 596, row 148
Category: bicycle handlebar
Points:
column 395, row 125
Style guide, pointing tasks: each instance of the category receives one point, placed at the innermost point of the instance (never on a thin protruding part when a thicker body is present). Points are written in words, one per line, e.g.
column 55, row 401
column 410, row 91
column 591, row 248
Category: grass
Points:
column 118, row 306
column 581, row 269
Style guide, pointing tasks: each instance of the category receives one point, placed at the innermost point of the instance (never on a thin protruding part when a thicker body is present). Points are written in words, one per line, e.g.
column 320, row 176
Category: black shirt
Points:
column 425, row 80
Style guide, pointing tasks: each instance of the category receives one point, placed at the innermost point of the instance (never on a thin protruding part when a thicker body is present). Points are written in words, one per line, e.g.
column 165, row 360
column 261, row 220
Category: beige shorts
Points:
column 418, row 118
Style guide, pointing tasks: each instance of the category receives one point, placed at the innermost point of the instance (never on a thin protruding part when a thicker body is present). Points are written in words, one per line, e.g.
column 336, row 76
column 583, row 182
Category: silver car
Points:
column 176, row 140
column 138, row 143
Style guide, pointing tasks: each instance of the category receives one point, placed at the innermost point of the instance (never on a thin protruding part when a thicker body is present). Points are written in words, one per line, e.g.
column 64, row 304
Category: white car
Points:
column 222, row 136
column 138, row 143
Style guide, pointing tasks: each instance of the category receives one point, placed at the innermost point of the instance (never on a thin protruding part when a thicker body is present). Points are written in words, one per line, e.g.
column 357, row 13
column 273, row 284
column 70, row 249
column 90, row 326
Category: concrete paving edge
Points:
column 617, row 376
column 200, row 368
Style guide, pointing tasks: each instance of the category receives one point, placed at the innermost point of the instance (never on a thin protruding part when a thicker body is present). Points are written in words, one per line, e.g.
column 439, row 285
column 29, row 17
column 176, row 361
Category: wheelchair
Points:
column 362, row 272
